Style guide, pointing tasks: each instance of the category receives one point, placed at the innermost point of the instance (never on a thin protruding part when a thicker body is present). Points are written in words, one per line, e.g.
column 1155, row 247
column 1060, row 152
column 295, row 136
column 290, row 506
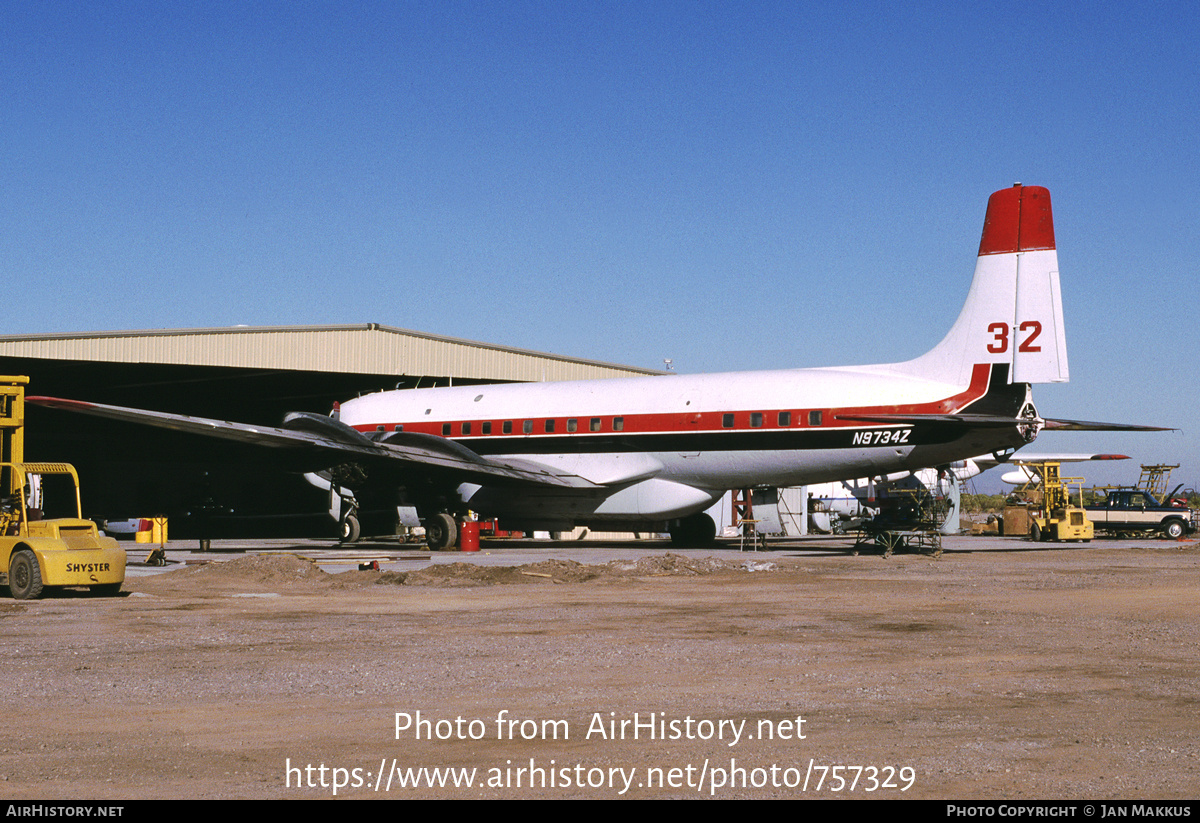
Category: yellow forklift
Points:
column 37, row 552
column 1056, row 517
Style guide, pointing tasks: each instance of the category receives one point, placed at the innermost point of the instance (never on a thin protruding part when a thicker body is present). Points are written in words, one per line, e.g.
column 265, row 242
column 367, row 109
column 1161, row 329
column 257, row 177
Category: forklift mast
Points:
column 12, row 431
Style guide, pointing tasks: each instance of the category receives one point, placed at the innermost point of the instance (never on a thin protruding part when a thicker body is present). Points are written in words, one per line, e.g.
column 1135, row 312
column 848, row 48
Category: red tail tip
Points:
column 1018, row 219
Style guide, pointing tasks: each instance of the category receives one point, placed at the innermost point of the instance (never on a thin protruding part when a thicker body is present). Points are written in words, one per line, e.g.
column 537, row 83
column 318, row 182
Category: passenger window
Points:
column 549, row 426
column 466, row 428
column 507, row 427
column 756, row 420
column 572, row 424
column 618, row 424
column 727, row 420
column 595, row 424
column 527, row 427
column 814, row 418
column 445, row 430
column 785, row 418
column 487, row 427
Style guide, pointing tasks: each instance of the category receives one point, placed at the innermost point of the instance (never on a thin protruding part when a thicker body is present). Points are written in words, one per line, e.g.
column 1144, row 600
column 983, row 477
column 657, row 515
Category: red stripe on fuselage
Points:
column 674, row 422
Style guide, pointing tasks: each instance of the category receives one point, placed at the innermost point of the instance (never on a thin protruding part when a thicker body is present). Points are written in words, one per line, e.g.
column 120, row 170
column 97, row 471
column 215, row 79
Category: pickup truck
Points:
column 1136, row 510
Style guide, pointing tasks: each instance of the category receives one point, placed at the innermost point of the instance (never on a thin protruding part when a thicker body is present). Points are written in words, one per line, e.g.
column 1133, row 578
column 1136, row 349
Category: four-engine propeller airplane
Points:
column 640, row 453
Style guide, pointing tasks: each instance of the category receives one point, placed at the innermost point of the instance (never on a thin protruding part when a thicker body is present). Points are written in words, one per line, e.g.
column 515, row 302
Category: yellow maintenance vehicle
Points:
column 37, row 552
column 1056, row 517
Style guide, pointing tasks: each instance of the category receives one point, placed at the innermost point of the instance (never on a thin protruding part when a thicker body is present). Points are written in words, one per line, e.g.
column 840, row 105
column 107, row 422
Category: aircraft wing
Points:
column 1059, row 457
column 329, row 441
column 991, row 461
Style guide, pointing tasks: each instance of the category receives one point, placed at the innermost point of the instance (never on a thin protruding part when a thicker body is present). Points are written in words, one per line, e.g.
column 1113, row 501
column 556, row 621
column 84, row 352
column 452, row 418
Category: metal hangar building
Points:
column 248, row 374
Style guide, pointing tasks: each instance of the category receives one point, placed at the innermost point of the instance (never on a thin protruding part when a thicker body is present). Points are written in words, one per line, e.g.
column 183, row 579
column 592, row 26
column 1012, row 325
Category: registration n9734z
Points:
column 881, row 437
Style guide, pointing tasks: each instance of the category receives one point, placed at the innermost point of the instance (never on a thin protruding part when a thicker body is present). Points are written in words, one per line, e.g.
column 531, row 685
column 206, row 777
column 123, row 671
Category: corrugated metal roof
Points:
column 357, row 349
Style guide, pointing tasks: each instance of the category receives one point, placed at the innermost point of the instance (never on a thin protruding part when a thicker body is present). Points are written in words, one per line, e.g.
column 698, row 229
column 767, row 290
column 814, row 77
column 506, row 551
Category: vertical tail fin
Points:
column 1013, row 314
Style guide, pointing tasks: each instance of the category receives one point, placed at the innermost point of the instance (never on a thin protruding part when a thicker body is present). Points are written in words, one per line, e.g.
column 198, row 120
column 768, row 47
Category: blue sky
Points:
column 730, row 185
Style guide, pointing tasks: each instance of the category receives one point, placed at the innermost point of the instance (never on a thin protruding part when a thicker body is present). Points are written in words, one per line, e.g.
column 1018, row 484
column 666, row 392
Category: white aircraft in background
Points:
column 640, row 453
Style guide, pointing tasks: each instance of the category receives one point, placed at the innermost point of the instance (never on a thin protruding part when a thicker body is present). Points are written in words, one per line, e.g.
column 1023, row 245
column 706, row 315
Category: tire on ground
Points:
column 351, row 529
column 24, row 575
column 695, row 530
column 441, row 532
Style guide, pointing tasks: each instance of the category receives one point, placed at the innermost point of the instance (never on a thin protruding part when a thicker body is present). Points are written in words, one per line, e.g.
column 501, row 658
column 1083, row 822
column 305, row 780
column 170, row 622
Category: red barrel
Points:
column 468, row 536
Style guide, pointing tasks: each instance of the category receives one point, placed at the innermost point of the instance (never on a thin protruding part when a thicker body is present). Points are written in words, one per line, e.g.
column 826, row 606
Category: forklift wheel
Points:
column 24, row 576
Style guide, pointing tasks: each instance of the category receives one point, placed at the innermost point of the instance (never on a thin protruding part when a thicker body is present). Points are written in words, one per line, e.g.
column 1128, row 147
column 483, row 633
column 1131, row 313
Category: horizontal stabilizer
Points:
column 990, row 420
column 1086, row 426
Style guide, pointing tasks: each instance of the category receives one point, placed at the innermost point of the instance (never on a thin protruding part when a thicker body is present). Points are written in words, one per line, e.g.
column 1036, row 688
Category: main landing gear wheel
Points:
column 24, row 576
column 694, row 531
column 351, row 529
column 441, row 532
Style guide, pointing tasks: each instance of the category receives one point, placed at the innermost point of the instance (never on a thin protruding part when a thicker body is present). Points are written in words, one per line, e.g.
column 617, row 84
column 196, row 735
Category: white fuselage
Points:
column 664, row 447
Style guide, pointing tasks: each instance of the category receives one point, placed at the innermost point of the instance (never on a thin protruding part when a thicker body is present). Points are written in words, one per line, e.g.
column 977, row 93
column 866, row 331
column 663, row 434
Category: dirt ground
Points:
column 1014, row 672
